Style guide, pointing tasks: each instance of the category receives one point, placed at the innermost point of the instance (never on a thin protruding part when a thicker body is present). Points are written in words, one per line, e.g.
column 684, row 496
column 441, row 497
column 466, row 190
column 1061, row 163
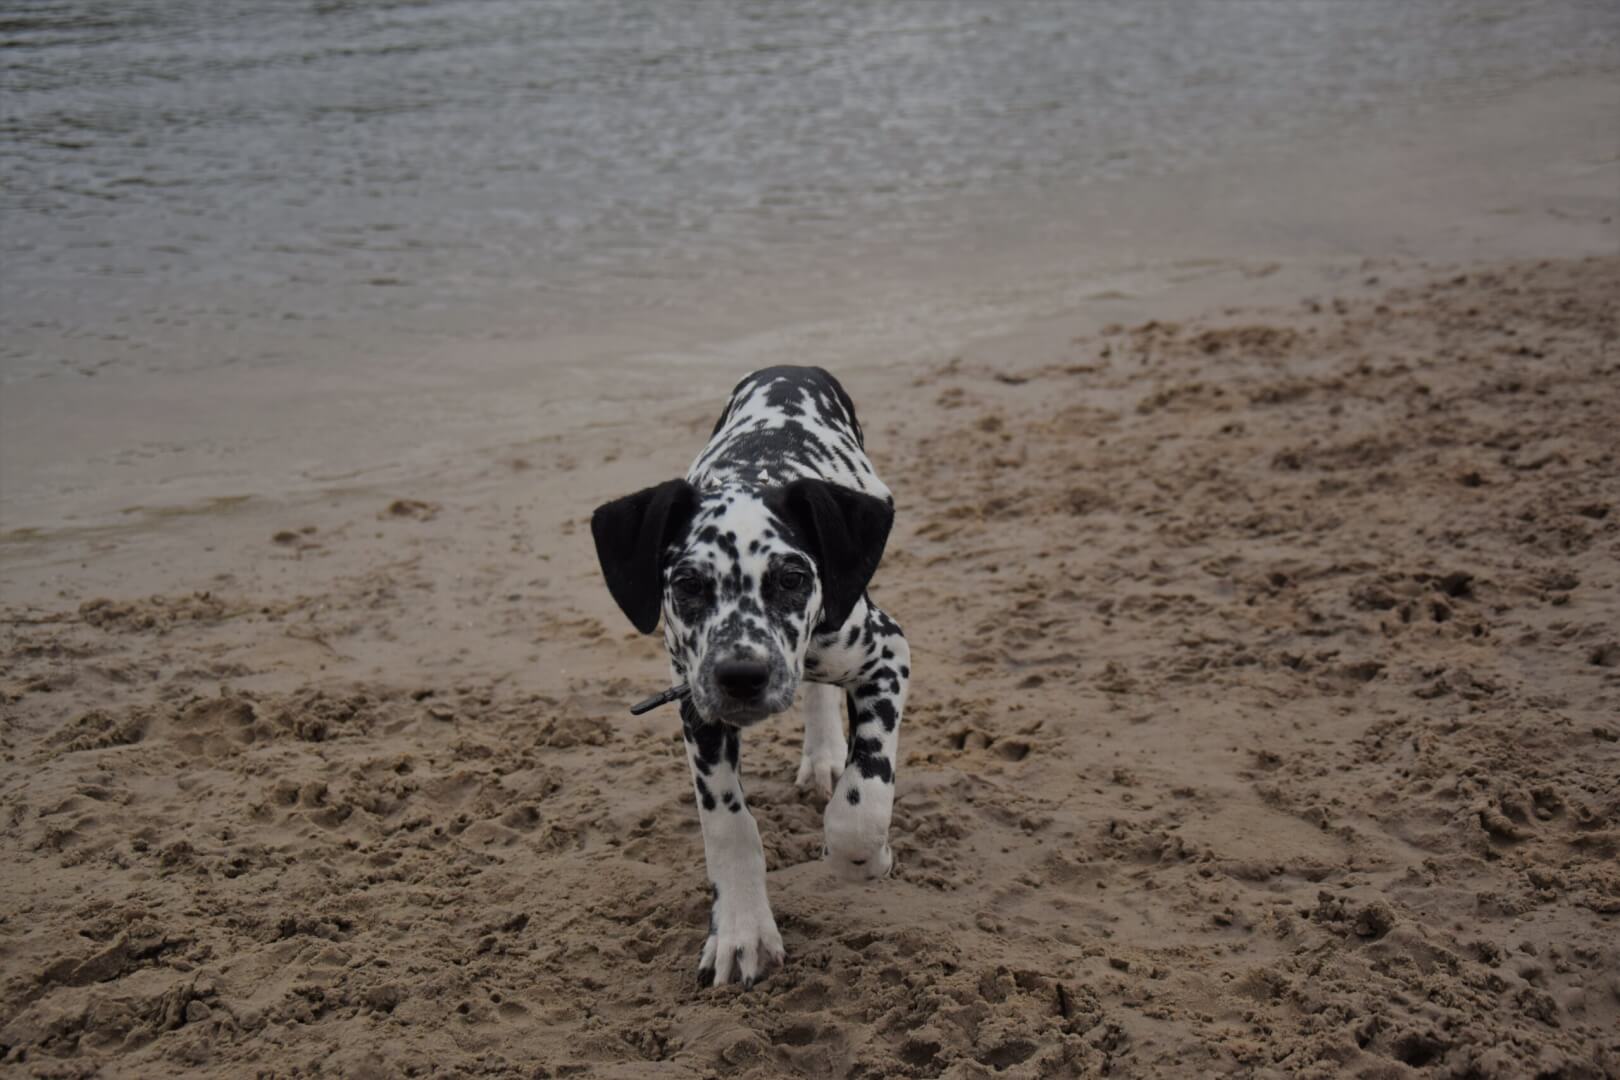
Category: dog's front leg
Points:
column 857, row 818
column 822, row 761
column 743, row 940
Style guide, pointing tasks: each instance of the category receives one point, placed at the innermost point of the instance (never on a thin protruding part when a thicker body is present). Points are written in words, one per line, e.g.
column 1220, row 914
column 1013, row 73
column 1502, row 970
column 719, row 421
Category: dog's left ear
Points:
column 631, row 534
column 844, row 531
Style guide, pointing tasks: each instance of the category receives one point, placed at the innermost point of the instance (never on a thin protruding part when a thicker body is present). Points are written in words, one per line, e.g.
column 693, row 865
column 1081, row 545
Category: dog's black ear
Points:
column 631, row 534
column 844, row 531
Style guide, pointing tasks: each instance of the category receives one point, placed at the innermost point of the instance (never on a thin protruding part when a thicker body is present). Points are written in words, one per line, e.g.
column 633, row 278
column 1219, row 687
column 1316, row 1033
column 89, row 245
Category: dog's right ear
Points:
column 631, row 534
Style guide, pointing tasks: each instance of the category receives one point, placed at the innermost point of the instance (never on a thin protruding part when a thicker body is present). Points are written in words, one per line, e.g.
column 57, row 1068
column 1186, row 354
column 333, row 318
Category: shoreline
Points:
column 1517, row 176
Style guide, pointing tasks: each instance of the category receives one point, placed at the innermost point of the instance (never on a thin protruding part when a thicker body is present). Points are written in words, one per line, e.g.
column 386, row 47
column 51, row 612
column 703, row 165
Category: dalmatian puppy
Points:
column 758, row 562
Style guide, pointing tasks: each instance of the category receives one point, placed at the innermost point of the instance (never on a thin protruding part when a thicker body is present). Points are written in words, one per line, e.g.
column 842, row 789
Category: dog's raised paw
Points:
column 857, row 830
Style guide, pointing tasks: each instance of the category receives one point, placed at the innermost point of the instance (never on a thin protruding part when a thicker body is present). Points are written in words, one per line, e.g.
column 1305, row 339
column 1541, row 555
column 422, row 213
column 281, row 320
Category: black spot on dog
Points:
column 885, row 712
column 874, row 684
column 862, row 747
column 876, row 768
column 709, row 741
column 866, row 754
column 886, row 625
column 854, row 795
column 782, row 394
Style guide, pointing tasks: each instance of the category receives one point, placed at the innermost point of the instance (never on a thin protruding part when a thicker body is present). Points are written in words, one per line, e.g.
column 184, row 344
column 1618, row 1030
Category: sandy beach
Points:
column 1266, row 716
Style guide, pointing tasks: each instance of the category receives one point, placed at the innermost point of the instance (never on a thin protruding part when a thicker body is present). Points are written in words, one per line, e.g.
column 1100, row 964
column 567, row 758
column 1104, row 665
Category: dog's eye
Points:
column 689, row 585
column 792, row 580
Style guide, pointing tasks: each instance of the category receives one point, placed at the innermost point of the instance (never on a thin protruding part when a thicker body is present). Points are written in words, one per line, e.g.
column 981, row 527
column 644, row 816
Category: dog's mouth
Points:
column 717, row 708
column 733, row 716
column 740, row 717
column 741, row 691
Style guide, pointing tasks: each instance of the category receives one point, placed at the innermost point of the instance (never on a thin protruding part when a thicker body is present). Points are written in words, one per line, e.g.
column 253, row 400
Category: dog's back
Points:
column 783, row 424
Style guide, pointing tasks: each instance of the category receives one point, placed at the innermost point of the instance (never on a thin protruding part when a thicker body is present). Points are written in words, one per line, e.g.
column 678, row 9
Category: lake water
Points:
column 193, row 183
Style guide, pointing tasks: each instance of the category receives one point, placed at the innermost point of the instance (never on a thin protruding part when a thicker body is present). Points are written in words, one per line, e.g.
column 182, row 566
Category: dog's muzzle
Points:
column 742, row 681
column 743, row 690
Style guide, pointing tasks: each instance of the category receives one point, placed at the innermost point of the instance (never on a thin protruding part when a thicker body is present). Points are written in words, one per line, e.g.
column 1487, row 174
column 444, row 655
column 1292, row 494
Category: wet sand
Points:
column 1264, row 720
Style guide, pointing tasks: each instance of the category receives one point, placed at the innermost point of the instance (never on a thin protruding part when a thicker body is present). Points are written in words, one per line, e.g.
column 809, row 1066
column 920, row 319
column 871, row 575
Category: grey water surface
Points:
column 199, row 182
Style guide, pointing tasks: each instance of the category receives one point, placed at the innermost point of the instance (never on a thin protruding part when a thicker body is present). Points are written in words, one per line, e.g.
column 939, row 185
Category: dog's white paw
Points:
column 864, row 865
column 858, row 832
column 820, row 769
column 743, row 943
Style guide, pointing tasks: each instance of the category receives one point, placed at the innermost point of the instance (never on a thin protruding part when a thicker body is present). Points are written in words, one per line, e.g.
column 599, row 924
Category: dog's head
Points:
column 743, row 578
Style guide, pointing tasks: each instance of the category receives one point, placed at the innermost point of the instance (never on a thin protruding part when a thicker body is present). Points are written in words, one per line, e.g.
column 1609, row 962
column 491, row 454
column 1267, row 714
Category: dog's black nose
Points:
column 742, row 679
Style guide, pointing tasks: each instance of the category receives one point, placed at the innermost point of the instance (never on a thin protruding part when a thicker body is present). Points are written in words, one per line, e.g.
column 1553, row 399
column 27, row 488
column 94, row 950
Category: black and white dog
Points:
column 759, row 562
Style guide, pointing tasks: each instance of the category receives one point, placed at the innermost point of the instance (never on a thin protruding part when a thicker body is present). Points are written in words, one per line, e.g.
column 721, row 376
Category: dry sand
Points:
column 1265, row 723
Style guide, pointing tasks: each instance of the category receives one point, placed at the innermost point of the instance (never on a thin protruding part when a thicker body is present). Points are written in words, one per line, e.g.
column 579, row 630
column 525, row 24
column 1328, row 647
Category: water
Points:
column 190, row 183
